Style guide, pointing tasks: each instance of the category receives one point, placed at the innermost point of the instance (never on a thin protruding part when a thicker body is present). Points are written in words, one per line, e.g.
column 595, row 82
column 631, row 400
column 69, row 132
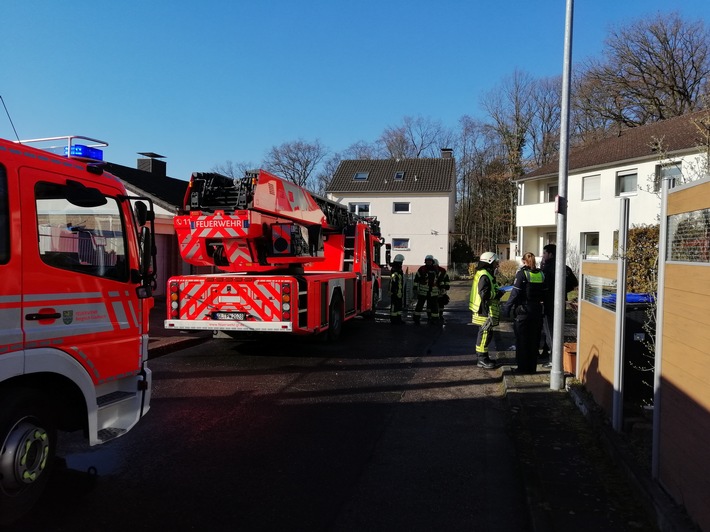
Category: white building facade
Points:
column 413, row 199
column 631, row 166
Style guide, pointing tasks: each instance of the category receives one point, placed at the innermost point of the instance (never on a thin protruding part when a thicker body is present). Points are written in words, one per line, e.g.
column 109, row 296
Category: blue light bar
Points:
column 85, row 152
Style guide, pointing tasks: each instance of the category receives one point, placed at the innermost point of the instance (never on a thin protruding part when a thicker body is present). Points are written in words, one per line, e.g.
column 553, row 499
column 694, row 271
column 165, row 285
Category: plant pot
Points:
column 569, row 358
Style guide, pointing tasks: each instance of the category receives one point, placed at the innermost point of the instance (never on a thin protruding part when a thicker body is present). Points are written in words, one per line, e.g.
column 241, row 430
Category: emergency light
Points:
column 86, row 152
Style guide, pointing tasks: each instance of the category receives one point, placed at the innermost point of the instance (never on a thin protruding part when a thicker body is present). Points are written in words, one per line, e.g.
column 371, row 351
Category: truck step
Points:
column 110, row 433
column 113, row 398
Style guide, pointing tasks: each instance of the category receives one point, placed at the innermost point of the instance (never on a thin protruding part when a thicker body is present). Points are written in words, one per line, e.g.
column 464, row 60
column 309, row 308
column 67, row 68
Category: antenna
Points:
column 8, row 117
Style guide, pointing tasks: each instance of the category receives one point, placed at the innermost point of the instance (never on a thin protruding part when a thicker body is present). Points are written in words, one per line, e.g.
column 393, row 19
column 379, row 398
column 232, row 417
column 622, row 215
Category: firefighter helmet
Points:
column 398, row 258
column 429, row 257
column 489, row 257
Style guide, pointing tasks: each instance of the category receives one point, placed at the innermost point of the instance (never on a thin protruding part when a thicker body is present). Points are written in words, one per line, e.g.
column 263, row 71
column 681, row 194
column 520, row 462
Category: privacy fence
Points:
column 658, row 353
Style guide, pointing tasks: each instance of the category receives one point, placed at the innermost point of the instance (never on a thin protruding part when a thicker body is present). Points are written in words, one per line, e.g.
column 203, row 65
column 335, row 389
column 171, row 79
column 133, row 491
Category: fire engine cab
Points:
column 76, row 274
column 289, row 261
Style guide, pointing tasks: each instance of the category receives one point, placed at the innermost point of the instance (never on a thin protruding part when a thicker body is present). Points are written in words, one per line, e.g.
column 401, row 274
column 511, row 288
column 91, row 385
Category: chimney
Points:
column 447, row 153
column 152, row 163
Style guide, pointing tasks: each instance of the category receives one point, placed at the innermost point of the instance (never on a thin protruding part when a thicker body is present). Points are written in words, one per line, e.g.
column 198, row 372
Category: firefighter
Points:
column 396, row 289
column 426, row 290
column 444, row 285
column 485, row 305
column 525, row 306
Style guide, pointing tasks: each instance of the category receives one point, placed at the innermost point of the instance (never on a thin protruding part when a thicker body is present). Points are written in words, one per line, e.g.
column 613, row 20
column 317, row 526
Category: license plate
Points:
column 235, row 316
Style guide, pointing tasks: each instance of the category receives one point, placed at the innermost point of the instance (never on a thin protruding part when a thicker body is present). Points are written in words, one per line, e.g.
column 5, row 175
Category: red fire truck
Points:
column 76, row 273
column 289, row 261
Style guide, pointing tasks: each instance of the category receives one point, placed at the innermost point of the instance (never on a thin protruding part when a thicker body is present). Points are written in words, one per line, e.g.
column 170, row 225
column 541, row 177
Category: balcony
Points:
column 538, row 214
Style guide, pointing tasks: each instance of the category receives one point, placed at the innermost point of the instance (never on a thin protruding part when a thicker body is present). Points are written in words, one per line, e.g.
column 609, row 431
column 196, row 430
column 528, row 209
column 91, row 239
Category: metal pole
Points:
column 558, row 323
column 666, row 185
column 617, row 418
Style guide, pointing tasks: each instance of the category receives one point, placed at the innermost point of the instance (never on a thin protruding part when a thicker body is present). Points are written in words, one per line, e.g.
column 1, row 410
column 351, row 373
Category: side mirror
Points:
column 388, row 254
column 143, row 215
column 146, row 253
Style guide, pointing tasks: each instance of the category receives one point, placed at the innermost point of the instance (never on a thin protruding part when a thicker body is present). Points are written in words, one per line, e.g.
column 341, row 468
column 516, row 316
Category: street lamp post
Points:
column 556, row 373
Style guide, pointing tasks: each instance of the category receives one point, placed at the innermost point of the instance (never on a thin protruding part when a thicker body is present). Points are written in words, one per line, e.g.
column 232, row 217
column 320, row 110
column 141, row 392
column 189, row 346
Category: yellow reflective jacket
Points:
column 483, row 301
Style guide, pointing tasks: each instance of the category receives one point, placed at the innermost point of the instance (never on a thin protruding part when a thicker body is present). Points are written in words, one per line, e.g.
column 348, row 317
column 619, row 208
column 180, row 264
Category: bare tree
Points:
column 511, row 111
column 326, row 173
column 232, row 169
column 295, row 161
column 591, row 110
column 654, row 69
column 509, row 106
column 362, row 150
column 481, row 220
column 545, row 123
column 415, row 138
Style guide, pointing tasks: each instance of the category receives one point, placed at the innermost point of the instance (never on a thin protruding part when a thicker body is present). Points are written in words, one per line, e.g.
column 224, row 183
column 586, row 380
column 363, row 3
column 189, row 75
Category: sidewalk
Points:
column 163, row 341
column 578, row 473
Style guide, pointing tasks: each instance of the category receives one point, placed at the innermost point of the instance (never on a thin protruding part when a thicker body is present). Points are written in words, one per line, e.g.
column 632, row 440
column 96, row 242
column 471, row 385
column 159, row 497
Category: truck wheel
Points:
column 335, row 319
column 370, row 314
column 375, row 299
column 28, row 439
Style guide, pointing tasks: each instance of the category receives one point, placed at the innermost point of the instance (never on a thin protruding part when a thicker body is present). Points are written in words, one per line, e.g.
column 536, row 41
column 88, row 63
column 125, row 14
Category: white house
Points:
column 631, row 164
column 413, row 199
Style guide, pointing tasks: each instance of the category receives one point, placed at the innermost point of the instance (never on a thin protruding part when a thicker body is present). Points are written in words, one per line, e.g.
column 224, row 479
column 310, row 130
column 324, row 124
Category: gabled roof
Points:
column 420, row 176
column 167, row 192
column 678, row 134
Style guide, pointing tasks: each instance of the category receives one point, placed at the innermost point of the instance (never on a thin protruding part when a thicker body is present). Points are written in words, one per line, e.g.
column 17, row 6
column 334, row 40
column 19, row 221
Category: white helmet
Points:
column 398, row 258
column 489, row 257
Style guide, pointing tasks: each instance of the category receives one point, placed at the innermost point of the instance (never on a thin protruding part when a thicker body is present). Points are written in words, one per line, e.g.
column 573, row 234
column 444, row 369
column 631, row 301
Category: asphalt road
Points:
column 392, row 428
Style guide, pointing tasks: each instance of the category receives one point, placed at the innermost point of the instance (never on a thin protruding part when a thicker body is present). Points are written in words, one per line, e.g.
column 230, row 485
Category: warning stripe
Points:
column 259, row 298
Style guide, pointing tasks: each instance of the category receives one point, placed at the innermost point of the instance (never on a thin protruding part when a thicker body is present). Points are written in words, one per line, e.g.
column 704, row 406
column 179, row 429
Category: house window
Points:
column 551, row 238
column 590, row 187
column 590, row 244
column 551, row 193
column 663, row 171
column 398, row 176
column 400, row 243
column 400, row 206
column 361, row 209
column 626, row 183
column 361, row 176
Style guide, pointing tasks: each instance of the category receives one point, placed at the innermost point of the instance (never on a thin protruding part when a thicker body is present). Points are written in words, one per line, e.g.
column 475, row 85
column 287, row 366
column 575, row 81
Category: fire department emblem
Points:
column 67, row 316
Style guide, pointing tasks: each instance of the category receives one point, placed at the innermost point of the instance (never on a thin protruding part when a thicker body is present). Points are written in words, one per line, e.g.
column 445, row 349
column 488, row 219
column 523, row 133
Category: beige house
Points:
column 413, row 199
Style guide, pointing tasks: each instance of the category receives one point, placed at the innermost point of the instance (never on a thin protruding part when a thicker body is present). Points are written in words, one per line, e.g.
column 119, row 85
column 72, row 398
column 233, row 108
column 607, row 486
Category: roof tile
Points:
column 678, row 133
column 420, row 176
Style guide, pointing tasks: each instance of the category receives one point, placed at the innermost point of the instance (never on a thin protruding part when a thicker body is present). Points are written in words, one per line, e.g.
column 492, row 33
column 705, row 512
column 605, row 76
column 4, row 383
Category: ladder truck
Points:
column 288, row 261
column 77, row 265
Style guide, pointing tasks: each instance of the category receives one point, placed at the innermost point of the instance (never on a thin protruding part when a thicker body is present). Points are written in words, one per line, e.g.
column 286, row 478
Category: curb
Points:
column 166, row 345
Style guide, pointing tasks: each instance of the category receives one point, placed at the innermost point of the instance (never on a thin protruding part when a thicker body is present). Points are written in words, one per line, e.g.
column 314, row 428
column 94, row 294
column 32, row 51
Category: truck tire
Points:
column 28, row 439
column 370, row 314
column 335, row 319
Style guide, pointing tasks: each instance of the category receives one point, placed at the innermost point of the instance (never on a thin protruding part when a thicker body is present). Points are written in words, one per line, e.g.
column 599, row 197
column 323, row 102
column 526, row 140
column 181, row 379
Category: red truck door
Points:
column 10, row 275
column 77, row 293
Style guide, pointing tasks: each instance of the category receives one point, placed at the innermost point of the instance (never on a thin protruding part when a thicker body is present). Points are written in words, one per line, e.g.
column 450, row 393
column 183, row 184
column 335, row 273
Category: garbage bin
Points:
column 639, row 357
column 639, row 350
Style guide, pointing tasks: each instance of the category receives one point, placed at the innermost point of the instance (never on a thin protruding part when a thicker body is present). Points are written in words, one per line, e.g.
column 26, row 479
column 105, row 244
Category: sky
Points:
column 203, row 83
